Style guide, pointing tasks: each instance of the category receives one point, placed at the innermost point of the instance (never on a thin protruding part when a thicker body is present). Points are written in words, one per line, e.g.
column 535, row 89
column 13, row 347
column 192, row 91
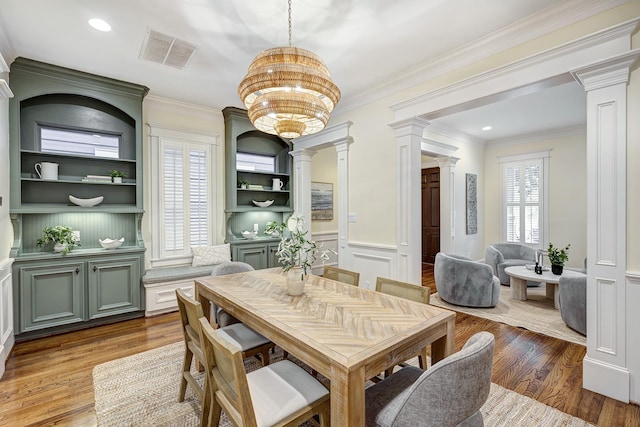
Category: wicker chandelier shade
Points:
column 288, row 91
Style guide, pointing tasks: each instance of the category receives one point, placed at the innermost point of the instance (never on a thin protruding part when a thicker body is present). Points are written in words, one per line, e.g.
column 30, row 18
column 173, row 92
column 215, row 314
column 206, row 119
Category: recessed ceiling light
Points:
column 487, row 128
column 100, row 24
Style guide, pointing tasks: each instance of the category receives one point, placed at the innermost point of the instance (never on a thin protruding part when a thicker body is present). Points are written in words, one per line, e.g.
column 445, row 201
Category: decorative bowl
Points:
column 86, row 203
column 263, row 204
column 111, row 243
column 249, row 235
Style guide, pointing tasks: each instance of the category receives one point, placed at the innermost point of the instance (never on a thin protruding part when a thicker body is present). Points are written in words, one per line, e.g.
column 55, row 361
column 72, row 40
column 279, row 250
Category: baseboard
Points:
column 606, row 379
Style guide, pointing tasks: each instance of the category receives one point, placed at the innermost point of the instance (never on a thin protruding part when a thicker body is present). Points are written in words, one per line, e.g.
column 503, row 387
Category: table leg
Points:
column 518, row 288
column 552, row 293
column 347, row 397
column 445, row 346
column 204, row 301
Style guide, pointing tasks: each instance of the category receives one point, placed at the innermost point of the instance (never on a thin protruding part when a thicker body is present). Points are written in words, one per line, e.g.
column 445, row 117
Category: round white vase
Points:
column 59, row 247
column 295, row 281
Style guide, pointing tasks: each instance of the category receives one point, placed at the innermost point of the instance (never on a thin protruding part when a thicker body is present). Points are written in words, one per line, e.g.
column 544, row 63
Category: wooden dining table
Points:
column 346, row 333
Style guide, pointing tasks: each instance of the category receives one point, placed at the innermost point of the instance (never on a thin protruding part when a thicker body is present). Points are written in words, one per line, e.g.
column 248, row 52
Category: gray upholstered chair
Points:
column 221, row 317
column 450, row 393
column 461, row 281
column 502, row 255
column 573, row 302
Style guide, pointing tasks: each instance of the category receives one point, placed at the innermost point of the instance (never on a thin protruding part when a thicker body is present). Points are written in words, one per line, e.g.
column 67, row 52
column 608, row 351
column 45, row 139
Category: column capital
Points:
column 605, row 73
column 445, row 162
column 409, row 127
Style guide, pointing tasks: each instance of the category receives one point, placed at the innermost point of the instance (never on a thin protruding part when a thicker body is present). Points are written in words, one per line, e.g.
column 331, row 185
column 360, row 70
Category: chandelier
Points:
column 288, row 91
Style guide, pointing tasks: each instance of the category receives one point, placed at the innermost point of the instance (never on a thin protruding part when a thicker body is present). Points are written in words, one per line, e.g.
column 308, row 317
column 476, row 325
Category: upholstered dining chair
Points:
column 341, row 275
column 250, row 342
column 281, row 394
column 221, row 317
column 408, row 291
column 449, row 394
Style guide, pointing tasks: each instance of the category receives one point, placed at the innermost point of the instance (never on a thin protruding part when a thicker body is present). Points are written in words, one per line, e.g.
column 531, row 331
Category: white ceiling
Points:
column 365, row 43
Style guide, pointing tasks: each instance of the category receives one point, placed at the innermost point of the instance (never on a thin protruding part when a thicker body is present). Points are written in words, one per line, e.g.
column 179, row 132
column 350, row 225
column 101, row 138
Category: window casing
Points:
column 183, row 194
column 524, row 199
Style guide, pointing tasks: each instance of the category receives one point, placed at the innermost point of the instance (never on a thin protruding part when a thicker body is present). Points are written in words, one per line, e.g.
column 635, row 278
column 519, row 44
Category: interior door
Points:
column 430, row 214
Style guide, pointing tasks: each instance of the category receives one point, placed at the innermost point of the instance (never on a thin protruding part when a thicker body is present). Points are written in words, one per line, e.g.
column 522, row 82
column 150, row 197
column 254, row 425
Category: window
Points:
column 183, row 195
column 523, row 198
column 66, row 141
column 255, row 162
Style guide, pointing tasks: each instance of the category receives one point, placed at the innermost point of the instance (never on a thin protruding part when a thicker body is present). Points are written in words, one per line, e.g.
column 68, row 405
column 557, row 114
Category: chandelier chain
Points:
column 289, row 23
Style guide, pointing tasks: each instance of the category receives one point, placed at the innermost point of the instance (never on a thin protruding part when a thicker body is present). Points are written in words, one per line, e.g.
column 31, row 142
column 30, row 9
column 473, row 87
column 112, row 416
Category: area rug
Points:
column 142, row 390
column 535, row 314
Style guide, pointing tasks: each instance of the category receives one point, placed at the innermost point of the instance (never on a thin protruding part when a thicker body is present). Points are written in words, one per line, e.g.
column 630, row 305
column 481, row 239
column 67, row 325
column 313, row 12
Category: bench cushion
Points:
column 168, row 274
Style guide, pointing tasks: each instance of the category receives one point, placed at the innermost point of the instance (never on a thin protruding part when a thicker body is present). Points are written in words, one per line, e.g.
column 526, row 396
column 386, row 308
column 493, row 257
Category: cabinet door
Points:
column 51, row 295
column 272, row 248
column 114, row 286
column 253, row 254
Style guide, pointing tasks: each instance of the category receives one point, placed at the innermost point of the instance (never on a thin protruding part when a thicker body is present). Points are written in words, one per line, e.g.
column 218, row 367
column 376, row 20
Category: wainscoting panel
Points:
column 372, row 261
column 6, row 312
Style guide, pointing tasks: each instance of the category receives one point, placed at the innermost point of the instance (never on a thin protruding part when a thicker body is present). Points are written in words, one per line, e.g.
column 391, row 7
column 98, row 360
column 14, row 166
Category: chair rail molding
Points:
column 606, row 366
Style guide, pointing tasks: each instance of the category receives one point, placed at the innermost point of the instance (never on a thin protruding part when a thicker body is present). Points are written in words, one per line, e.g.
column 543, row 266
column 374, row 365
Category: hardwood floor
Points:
column 48, row 381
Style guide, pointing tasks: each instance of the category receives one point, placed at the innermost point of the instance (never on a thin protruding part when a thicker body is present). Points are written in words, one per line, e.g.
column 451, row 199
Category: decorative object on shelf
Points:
column 62, row 236
column 97, row 178
column 273, row 229
column 111, row 243
column 277, row 184
column 250, row 235
column 321, row 201
column 86, row 203
column 267, row 92
column 244, row 184
column 558, row 257
column 117, row 176
column 264, row 204
column 256, row 187
column 47, row 171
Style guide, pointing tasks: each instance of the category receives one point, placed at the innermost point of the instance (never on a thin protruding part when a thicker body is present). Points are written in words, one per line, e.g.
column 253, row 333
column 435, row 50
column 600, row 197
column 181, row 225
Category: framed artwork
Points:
column 472, row 203
column 321, row 201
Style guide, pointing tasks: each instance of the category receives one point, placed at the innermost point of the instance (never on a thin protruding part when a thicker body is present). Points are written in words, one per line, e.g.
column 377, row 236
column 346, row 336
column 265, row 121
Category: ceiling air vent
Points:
column 166, row 49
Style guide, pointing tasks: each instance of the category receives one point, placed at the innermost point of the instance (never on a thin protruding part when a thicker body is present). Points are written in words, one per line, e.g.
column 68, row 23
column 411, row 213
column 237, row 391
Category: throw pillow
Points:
column 210, row 255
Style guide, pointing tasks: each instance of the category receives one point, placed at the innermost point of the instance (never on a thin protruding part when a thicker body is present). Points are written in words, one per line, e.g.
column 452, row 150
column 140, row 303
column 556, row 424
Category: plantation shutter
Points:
column 198, row 198
column 523, row 201
column 173, row 199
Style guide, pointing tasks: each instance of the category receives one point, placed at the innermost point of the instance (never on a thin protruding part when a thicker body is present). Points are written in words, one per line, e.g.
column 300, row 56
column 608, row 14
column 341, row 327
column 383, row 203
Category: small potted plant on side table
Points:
column 62, row 236
column 295, row 252
column 116, row 176
column 558, row 257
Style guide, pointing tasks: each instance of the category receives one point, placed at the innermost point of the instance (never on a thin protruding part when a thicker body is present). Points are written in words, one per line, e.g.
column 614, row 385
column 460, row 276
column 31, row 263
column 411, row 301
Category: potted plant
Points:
column 62, row 236
column 116, row 176
column 557, row 257
column 295, row 252
column 244, row 184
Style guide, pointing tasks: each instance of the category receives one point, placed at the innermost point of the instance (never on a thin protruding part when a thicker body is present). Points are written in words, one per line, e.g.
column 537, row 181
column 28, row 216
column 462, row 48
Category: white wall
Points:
column 6, row 230
column 567, row 189
column 324, row 168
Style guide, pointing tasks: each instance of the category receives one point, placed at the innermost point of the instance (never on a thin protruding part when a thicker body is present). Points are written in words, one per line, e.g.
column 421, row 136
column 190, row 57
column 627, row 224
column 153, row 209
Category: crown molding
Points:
column 553, row 18
column 179, row 107
column 544, row 64
column 5, row 91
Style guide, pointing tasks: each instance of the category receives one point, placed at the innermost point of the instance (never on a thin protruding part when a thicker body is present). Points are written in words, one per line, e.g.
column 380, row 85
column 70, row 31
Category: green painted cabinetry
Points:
column 87, row 126
column 54, row 292
column 243, row 139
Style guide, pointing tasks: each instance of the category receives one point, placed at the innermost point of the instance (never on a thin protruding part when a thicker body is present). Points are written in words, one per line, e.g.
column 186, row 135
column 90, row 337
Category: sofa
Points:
column 573, row 302
column 502, row 255
column 464, row 282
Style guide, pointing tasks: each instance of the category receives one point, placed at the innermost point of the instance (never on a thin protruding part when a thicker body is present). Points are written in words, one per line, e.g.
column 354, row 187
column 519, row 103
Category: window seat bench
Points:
column 160, row 286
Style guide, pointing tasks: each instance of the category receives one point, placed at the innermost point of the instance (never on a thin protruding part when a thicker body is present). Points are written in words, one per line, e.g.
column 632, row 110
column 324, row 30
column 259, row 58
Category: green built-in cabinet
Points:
column 241, row 213
column 53, row 292
column 63, row 291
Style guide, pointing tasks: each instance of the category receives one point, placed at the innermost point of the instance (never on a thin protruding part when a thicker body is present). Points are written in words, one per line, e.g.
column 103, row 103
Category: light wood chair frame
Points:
column 335, row 273
column 411, row 292
column 190, row 314
column 224, row 366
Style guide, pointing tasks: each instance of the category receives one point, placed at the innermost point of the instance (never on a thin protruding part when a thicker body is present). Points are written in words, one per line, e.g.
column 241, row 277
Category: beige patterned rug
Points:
column 535, row 314
column 142, row 390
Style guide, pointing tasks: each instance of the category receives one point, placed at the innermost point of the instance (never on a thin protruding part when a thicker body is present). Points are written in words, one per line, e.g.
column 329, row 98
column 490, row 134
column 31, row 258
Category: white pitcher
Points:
column 277, row 184
column 46, row 170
